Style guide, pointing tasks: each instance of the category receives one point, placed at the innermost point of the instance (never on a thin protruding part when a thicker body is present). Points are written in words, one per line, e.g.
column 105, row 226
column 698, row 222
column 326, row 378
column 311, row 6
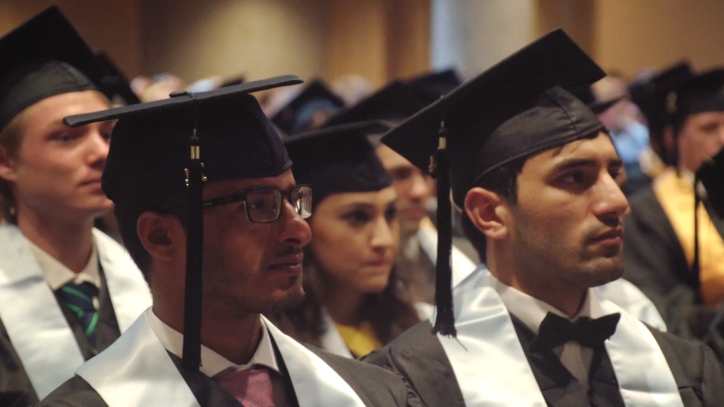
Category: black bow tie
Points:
column 555, row 331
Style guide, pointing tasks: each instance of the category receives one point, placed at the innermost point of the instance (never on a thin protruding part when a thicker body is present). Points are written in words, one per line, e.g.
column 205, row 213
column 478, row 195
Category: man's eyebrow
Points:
column 584, row 162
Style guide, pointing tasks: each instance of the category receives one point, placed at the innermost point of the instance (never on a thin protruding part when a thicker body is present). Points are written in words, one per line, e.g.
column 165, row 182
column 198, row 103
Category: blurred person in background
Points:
column 677, row 264
column 629, row 136
column 354, row 301
column 67, row 290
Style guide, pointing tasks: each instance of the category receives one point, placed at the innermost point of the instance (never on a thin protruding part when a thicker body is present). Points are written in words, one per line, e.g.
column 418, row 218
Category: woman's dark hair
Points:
column 390, row 312
column 504, row 182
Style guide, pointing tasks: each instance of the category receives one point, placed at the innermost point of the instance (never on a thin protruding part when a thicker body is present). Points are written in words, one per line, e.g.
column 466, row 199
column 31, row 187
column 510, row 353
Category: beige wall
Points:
column 256, row 38
column 112, row 25
column 653, row 33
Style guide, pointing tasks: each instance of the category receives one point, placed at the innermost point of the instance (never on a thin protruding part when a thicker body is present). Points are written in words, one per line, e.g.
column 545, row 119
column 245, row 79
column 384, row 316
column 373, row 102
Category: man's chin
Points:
column 290, row 298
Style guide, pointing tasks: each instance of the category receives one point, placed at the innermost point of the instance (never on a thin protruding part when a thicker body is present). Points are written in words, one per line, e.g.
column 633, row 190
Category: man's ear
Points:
column 159, row 234
column 487, row 212
column 7, row 166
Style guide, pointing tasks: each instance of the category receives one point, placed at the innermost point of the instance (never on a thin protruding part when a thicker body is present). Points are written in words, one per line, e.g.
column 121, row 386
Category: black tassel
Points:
column 445, row 318
column 194, row 257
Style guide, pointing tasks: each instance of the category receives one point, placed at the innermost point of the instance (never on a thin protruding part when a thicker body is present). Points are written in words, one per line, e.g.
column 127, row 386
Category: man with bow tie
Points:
column 535, row 173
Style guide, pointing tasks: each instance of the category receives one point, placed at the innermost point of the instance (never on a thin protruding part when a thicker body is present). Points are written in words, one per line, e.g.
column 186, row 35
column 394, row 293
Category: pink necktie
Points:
column 251, row 387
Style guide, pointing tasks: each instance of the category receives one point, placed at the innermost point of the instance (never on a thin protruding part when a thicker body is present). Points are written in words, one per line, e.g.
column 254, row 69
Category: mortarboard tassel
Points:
column 445, row 318
column 194, row 254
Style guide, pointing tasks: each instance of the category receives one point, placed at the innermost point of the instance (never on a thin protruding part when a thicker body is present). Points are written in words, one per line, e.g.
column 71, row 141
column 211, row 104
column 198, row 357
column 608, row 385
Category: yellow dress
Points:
column 360, row 340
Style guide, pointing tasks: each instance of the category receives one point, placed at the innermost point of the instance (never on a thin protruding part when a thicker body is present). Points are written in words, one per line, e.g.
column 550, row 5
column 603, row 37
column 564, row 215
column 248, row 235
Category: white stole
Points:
column 137, row 371
column 331, row 340
column 492, row 370
column 35, row 323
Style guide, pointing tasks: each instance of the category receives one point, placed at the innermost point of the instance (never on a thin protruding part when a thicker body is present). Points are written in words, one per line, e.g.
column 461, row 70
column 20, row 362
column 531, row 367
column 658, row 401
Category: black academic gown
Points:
column 374, row 386
column 15, row 386
column 654, row 261
column 420, row 359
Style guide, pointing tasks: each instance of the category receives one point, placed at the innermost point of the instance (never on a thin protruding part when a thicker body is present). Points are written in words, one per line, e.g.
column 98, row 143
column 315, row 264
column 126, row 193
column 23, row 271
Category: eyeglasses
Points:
column 264, row 205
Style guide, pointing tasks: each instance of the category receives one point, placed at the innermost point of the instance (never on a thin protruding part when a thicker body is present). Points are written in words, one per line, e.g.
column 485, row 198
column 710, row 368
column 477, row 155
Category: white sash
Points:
column 331, row 340
column 35, row 323
column 128, row 289
column 315, row 382
column 137, row 371
column 492, row 370
column 630, row 298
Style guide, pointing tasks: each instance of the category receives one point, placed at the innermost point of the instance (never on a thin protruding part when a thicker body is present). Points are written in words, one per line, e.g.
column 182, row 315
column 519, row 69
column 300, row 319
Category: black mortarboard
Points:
column 177, row 144
column 395, row 102
column 514, row 109
column 650, row 95
column 339, row 159
column 114, row 83
column 702, row 93
column 429, row 87
column 44, row 57
column 312, row 106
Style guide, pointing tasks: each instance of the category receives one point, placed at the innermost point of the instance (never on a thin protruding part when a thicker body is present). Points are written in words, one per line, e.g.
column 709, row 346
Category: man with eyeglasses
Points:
column 203, row 182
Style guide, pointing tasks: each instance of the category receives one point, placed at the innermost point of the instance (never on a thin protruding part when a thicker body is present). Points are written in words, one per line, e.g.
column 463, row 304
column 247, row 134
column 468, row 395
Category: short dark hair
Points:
column 129, row 208
column 504, row 182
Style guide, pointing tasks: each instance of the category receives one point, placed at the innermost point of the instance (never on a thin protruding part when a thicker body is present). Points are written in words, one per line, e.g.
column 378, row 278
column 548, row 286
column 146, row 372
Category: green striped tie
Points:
column 79, row 299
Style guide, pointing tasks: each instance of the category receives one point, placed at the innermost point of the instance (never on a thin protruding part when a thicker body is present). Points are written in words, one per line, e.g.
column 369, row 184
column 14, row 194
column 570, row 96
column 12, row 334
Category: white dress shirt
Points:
column 531, row 312
column 57, row 274
column 212, row 363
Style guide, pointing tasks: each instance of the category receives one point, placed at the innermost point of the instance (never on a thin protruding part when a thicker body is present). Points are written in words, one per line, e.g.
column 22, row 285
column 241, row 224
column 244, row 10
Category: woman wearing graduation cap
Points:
column 67, row 291
column 535, row 172
column 354, row 301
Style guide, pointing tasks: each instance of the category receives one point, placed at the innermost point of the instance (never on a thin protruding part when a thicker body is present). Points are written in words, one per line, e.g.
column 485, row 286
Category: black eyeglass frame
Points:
column 241, row 196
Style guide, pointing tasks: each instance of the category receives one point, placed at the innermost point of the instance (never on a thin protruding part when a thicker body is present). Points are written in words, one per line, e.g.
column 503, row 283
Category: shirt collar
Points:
column 211, row 362
column 532, row 311
column 57, row 274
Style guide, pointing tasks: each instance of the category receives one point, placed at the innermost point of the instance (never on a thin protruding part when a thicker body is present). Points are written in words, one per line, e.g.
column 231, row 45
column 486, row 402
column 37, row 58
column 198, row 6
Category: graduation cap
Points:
column 178, row 144
column 701, row 93
column 44, row 57
column 233, row 81
column 339, row 159
column 514, row 109
column 311, row 106
column 395, row 102
column 429, row 87
column 651, row 95
column 114, row 83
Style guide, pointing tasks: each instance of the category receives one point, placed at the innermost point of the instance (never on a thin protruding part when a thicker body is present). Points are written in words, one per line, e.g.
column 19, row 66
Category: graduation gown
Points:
column 420, row 359
column 67, row 343
column 500, row 367
column 346, row 382
column 655, row 261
